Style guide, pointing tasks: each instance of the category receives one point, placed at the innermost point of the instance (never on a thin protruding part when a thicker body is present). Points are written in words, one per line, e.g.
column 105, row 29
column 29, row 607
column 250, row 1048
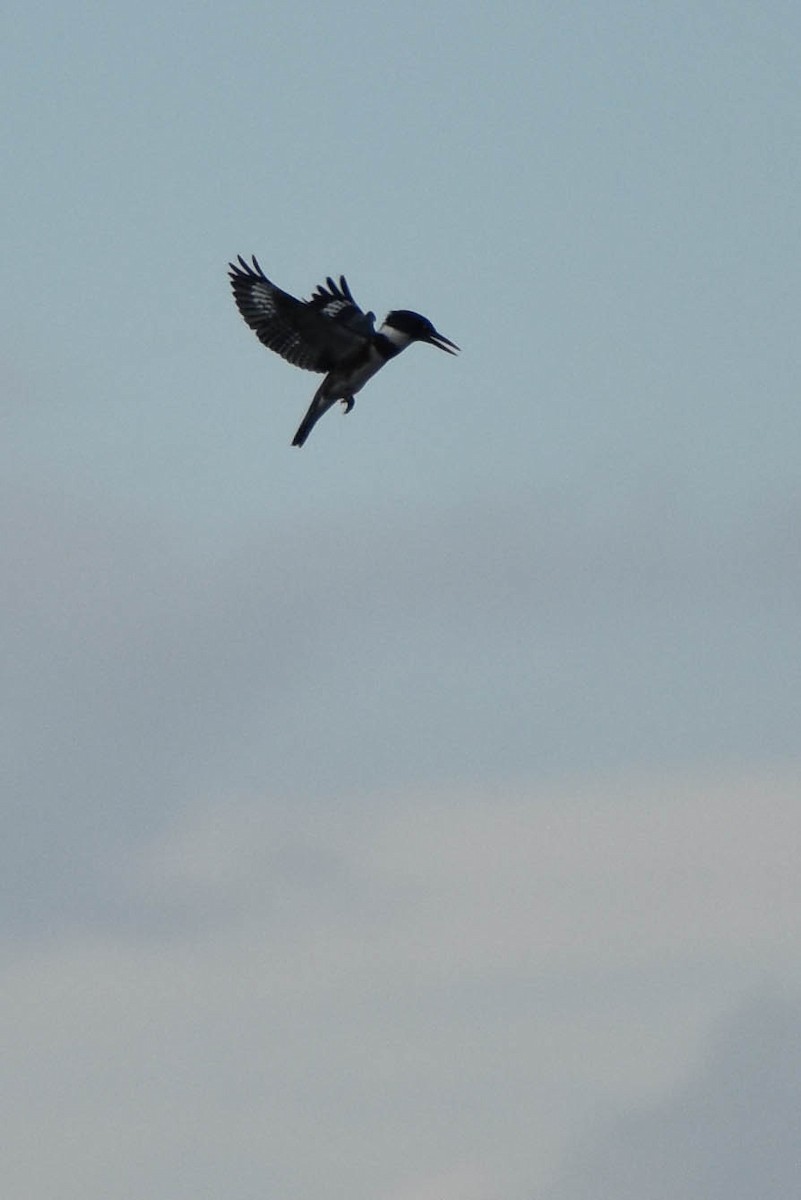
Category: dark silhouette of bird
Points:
column 328, row 333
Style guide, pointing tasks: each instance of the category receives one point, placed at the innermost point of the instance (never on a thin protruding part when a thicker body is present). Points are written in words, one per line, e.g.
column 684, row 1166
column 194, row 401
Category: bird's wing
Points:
column 315, row 334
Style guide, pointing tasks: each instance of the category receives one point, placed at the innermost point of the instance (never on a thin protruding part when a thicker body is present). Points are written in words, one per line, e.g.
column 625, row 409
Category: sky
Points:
column 415, row 816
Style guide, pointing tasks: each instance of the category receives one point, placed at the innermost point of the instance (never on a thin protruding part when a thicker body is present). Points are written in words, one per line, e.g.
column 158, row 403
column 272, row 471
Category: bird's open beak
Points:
column 442, row 343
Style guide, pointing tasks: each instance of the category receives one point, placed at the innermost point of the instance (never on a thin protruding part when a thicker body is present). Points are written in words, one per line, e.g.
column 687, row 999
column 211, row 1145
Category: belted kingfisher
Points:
column 327, row 333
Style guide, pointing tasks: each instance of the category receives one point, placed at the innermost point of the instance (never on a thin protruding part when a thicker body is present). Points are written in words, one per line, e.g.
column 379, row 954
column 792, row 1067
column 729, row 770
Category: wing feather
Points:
column 314, row 334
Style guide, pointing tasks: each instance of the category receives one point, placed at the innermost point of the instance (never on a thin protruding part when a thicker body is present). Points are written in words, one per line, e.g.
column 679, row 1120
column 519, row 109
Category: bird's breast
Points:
column 347, row 381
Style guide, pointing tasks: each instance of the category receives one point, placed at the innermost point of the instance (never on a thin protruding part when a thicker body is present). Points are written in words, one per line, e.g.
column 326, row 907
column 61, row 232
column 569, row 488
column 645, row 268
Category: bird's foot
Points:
column 348, row 403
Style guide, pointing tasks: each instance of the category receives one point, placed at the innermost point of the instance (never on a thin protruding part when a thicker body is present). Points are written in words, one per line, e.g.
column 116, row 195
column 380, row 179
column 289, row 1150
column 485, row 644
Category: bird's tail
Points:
column 319, row 405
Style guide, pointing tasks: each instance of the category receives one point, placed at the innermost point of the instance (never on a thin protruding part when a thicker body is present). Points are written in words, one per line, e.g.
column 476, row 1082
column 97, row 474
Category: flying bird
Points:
column 328, row 333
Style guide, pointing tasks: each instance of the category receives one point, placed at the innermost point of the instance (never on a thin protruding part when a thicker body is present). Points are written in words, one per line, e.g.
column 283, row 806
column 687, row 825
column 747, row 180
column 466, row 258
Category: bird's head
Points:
column 411, row 327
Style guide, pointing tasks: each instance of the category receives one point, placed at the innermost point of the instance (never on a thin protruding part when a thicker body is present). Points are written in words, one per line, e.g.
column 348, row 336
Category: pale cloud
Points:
column 465, row 1182
column 685, row 862
column 610, row 869
column 729, row 1132
column 435, row 989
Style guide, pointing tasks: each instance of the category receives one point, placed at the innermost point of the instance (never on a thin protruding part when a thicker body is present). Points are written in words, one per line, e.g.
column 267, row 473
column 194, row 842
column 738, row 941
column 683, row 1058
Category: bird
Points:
column 328, row 333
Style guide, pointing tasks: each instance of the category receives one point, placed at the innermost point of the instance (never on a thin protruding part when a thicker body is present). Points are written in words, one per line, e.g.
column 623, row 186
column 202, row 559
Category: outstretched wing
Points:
column 315, row 334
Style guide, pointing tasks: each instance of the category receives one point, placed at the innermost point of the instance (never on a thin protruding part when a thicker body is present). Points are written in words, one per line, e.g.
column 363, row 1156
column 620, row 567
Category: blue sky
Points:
column 412, row 815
